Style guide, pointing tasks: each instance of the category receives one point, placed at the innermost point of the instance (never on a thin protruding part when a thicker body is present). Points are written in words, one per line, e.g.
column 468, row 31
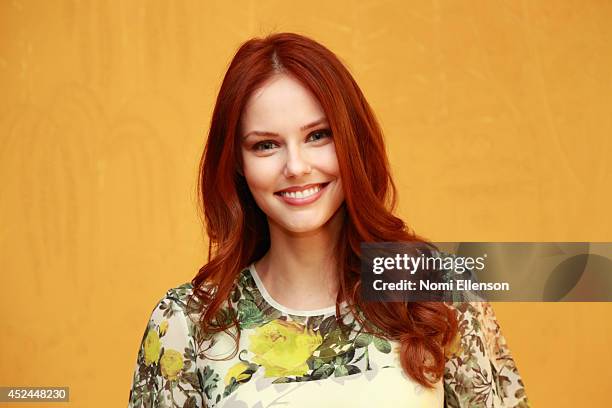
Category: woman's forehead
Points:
column 281, row 101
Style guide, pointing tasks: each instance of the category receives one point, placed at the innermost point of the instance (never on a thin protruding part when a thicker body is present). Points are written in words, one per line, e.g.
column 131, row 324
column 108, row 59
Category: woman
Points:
column 293, row 178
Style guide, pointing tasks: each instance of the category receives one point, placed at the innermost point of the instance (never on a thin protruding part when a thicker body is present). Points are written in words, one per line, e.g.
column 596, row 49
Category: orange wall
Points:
column 497, row 117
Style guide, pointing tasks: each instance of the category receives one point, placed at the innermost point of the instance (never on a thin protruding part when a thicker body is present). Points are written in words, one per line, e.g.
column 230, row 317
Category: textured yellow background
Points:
column 497, row 116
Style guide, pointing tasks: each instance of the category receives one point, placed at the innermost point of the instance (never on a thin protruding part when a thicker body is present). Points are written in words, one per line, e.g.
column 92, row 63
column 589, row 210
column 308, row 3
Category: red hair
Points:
column 238, row 229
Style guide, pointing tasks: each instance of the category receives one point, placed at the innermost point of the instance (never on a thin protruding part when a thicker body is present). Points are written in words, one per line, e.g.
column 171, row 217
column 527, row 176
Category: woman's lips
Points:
column 303, row 201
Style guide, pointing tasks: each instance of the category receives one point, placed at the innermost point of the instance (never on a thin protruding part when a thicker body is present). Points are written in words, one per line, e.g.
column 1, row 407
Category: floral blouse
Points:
column 298, row 358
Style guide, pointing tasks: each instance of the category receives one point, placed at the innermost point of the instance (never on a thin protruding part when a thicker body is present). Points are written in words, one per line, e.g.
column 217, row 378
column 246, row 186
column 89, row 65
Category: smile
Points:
column 302, row 197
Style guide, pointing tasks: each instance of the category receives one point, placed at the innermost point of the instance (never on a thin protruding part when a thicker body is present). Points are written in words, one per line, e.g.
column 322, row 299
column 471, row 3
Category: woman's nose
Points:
column 297, row 163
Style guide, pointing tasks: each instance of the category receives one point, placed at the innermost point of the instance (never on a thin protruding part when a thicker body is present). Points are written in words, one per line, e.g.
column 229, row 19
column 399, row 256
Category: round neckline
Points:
column 287, row 310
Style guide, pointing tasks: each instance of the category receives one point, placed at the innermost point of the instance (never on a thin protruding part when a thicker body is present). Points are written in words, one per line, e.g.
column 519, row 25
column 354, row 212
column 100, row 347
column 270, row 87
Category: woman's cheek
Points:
column 262, row 174
column 329, row 160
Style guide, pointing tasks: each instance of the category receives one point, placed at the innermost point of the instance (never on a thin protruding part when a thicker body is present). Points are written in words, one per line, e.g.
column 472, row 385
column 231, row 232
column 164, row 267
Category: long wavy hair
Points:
column 237, row 228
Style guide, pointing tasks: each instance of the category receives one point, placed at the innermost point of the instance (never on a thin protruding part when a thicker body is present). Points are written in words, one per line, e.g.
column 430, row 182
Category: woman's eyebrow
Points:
column 303, row 128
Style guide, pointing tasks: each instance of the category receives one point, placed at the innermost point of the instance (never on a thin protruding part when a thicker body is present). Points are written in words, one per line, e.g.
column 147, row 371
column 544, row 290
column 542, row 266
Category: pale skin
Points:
column 299, row 270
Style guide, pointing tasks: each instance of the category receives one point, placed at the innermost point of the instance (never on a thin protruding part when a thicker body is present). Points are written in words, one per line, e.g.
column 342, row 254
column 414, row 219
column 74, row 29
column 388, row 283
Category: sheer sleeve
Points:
column 165, row 374
column 480, row 371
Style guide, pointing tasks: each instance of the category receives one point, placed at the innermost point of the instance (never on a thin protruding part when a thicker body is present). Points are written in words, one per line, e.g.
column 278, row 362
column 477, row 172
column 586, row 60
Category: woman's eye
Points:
column 263, row 146
column 322, row 133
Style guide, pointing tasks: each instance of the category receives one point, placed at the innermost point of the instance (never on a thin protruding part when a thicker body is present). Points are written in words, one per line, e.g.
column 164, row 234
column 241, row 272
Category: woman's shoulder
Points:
column 173, row 306
column 177, row 297
column 179, row 307
column 179, row 294
column 189, row 300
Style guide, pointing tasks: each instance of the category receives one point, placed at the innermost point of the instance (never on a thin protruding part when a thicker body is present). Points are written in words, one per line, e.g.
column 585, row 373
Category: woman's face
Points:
column 287, row 146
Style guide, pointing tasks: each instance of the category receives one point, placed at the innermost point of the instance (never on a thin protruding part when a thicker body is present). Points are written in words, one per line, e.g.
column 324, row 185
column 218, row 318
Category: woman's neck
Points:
column 299, row 270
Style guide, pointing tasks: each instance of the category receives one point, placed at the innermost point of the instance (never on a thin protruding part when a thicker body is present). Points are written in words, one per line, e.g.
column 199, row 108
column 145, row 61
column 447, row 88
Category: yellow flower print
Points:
column 151, row 347
column 163, row 327
column 238, row 372
column 282, row 347
column 171, row 364
column 454, row 347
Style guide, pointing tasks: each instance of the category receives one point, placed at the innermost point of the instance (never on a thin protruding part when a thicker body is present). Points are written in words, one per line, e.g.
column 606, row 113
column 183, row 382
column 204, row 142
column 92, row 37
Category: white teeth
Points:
column 302, row 194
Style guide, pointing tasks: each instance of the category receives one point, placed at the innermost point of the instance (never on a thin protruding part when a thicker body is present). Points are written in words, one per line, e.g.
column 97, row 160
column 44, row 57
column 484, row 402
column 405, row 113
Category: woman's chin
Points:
column 302, row 229
column 306, row 227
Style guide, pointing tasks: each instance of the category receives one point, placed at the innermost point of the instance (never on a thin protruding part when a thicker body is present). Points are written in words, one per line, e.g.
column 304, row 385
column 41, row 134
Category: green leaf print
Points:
column 363, row 340
column 340, row 371
column 382, row 345
column 248, row 295
column 270, row 313
column 298, row 319
column 317, row 362
column 231, row 387
column 340, row 360
column 450, row 396
column 352, row 369
column 322, row 372
column 326, row 354
column 344, row 358
column 249, row 315
column 236, row 295
column 210, row 379
column 225, row 316
column 314, row 322
column 328, row 325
